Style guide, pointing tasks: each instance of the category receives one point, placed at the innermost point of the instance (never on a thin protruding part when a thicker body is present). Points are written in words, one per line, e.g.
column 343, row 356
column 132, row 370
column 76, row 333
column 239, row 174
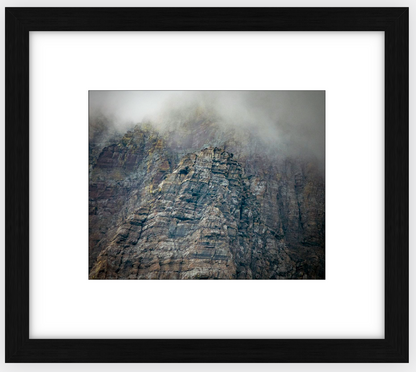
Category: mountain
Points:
column 195, row 198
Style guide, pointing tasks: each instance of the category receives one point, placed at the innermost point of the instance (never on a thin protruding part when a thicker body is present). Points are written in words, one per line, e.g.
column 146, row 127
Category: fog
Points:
column 293, row 119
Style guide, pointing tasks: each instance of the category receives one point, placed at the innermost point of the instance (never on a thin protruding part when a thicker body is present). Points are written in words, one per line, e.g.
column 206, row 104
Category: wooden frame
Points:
column 394, row 23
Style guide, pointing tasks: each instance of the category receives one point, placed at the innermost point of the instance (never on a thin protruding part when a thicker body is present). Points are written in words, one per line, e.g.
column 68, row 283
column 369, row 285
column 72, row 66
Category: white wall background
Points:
column 314, row 367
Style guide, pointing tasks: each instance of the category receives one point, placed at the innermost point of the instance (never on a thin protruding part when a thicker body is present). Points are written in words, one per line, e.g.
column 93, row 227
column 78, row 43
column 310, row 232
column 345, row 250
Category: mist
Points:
column 292, row 120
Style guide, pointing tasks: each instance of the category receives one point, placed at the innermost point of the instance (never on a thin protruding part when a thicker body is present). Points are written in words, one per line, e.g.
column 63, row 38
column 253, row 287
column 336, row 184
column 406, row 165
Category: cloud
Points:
column 294, row 120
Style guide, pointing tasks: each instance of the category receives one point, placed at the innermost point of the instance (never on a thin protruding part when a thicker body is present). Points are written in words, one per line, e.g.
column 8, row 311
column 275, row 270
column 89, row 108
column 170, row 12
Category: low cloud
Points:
column 294, row 120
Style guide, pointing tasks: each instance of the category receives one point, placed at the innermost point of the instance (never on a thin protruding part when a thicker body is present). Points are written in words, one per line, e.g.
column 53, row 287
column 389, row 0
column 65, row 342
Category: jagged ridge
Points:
column 202, row 219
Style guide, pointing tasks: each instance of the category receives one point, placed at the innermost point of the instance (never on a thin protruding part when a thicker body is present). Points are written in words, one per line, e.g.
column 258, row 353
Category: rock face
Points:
column 160, row 209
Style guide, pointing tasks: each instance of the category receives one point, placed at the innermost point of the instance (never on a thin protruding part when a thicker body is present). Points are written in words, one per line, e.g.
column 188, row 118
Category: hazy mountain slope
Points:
column 199, row 199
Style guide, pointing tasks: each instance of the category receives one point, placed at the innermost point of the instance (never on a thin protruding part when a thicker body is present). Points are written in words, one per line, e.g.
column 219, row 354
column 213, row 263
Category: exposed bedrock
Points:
column 158, row 212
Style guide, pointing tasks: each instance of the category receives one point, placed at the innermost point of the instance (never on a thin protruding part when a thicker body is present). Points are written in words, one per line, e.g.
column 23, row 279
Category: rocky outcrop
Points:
column 160, row 212
column 202, row 200
column 203, row 222
column 123, row 176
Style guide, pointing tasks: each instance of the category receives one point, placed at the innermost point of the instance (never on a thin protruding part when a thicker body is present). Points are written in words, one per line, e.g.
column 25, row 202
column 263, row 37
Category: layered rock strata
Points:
column 160, row 212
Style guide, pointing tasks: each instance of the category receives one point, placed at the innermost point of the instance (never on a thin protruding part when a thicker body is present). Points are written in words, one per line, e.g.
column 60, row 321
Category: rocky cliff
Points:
column 197, row 201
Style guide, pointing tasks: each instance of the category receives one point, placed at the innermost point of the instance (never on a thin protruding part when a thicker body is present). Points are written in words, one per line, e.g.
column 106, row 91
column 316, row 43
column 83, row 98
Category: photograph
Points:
column 206, row 184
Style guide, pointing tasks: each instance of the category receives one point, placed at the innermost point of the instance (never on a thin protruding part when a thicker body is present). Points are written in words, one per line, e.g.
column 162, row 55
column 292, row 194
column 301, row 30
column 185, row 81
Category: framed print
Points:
column 223, row 143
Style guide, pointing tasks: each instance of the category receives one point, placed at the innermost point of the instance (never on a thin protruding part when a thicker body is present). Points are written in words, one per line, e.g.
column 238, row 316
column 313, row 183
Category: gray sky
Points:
column 295, row 118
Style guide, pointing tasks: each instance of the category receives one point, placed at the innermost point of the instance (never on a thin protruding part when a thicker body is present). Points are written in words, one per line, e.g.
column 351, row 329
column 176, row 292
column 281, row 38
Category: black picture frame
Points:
column 395, row 24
